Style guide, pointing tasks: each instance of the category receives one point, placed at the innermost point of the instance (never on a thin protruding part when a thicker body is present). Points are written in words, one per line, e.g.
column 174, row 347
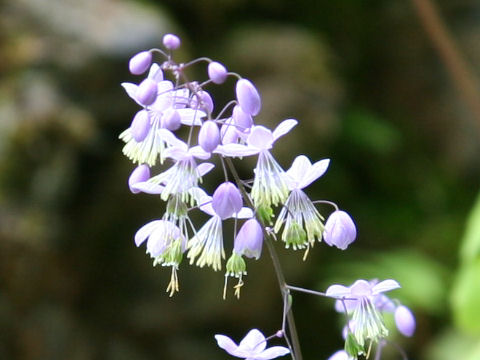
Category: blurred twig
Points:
column 459, row 70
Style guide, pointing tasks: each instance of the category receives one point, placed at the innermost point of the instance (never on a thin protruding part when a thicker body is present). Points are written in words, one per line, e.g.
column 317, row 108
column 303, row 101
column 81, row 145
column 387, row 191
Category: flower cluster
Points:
column 364, row 304
column 171, row 106
column 178, row 136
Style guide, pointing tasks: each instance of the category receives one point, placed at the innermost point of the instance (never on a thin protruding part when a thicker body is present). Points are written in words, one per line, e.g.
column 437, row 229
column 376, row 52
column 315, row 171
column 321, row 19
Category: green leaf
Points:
column 466, row 298
column 470, row 248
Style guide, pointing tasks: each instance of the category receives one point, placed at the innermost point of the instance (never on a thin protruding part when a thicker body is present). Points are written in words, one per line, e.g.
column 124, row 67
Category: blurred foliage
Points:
column 370, row 93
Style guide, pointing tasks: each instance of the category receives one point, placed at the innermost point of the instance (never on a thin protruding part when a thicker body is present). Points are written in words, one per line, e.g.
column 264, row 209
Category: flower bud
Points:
column 227, row 200
column 217, row 72
column 248, row 97
column 171, row 119
column 242, row 120
column 405, row 320
column 202, row 101
column 340, row 230
column 139, row 63
column 147, row 92
column 139, row 174
column 249, row 239
column 140, row 126
column 209, row 136
column 171, row 41
column 228, row 133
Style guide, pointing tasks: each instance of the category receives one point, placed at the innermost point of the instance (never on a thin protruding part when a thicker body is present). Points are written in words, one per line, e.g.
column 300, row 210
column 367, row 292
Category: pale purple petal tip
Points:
column 171, row 41
column 140, row 126
column 227, row 344
column 340, row 231
column 140, row 62
column 147, row 92
column 405, row 320
column 248, row 97
column 209, row 136
column 337, row 291
column 385, row 285
column 272, row 353
column 139, row 174
column 217, row 72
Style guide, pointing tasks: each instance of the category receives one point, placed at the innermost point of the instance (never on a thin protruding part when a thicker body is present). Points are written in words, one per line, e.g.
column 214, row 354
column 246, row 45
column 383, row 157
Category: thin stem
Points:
column 307, row 291
column 296, row 353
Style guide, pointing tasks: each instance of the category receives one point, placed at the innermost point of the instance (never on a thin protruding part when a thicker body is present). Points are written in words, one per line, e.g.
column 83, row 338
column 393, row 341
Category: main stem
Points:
column 297, row 354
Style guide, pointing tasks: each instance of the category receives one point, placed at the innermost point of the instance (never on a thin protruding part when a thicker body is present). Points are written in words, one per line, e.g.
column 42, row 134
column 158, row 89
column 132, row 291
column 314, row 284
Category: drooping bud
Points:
column 242, row 120
column 227, row 200
column 228, row 132
column 171, row 41
column 209, row 136
column 139, row 174
column 202, row 101
column 217, row 72
column 249, row 239
column 405, row 320
column 171, row 119
column 248, row 97
column 340, row 230
column 140, row 125
column 140, row 62
column 147, row 92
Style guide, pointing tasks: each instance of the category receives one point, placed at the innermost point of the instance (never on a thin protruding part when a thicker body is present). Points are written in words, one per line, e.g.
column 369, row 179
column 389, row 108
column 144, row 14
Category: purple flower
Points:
column 303, row 223
column 405, row 320
column 340, row 230
column 202, row 100
column 217, row 72
column 171, row 41
column 140, row 62
column 270, row 185
column 249, row 239
column 166, row 244
column 227, row 200
column 360, row 298
column 209, row 136
column 140, row 126
column 243, row 121
column 208, row 241
column 147, row 92
column 252, row 347
column 140, row 174
column 248, row 97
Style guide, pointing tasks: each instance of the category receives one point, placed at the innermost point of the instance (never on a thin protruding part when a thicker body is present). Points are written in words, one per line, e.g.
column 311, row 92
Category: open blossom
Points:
column 270, row 185
column 144, row 143
column 184, row 174
column 165, row 244
column 252, row 347
column 302, row 222
column 360, row 300
column 207, row 243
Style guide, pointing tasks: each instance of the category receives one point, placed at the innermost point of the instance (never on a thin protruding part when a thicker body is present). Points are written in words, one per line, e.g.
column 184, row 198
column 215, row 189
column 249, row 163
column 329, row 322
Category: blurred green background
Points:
column 370, row 91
